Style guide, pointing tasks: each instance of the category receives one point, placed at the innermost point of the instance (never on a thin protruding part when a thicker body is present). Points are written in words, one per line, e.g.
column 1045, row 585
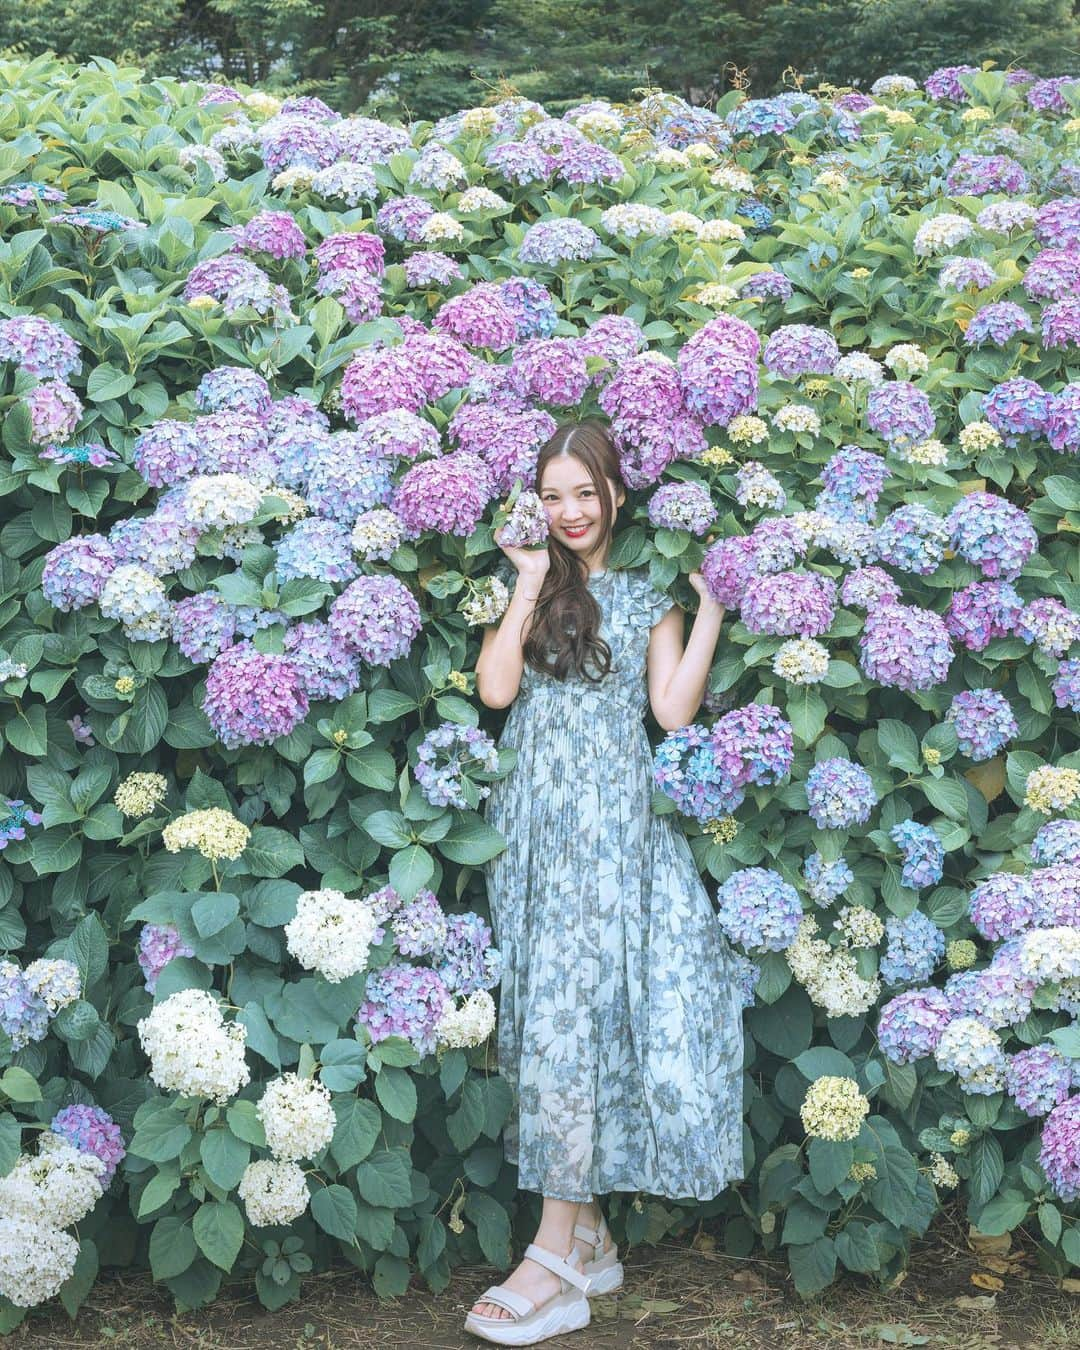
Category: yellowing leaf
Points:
column 985, row 1245
column 988, row 778
column 981, row 1281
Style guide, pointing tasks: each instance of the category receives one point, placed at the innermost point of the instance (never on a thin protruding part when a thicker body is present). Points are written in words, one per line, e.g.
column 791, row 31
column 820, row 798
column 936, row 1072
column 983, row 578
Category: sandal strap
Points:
column 514, row 1303
column 592, row 1235
column 558, row 1266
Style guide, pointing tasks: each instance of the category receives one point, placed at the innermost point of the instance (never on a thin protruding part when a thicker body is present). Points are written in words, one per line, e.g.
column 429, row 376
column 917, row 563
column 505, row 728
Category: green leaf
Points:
column 334, row 1210
column 359, row 1125
column 947, row 795
column 1050, row 1221
column 899, row 745
column 218, row 1227
column 18, row 1085
column 342, row 1065
column 830, row 1162
column 383, row 1179
column 492, row 1226
column 271, row 852
column 857, row 1250
column 161, row 1137
column 10, row 1142
column 1004, row 1213
column 211, row 913
column 244, row 1122
column 106, row 382
column 806, row 711
column 410, row 870
column 389, row 828
column 158, row 1191
column 396, row 1092
column 224, row 1157
column 172, row 1247
column 391, row 1276
column 813, row 1266
column 786, row 1027
column 987, row 1168
column 76, row 1288
column 27, row 733
column 471, row 840
column 822, row 1061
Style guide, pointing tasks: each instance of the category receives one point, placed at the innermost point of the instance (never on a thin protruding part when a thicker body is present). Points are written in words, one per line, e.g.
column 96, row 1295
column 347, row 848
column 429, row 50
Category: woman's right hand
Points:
column 532, row 563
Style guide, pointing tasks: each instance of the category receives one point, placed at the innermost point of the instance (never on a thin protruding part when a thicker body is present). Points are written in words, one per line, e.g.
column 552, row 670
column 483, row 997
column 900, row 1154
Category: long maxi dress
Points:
column 620, row 1017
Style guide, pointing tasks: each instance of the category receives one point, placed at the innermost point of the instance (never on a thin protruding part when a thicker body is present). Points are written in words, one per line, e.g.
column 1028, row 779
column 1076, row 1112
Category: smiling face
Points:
column 575, row 510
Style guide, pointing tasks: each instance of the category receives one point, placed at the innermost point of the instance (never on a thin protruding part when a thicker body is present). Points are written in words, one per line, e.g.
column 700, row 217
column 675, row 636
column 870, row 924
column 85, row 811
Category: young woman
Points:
column 620, row 1021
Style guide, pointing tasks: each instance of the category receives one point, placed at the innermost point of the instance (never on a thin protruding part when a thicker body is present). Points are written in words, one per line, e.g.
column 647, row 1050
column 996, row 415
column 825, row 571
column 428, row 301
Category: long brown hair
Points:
column 566, row 621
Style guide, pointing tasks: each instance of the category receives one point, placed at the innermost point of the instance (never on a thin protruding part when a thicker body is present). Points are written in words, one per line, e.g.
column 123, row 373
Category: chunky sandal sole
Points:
column 565, row 1312
column 605, row 1272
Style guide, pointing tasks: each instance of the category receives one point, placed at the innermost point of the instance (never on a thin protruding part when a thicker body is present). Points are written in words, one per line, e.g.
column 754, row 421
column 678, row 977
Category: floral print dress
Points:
column 620, row 1017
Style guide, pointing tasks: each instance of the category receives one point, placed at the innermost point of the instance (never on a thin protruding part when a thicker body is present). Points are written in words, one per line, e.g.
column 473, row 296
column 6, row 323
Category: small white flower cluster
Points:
column 140, row 794
column 747, row 430
column 830, row 976
column 1051, row 788
column 669, row 159
column 331, row 934
column 906, row 360
column 940, row 233
column 971, row 1050
column 928, row 454
column 801, row 661
column 479, row 199
column 831, row 180
column 632, row 220
column 1050, row 955
column 297, row 1117
column 273, row 1192
column 191, row 156
column 978, row 436
column 39, row 1197
column 699, row 152
column 214, row 500
column 797, row 417
column 299, row 177
column 858, row 368
column 684, row 222
column 192, row 1050
column 215, row 832
column 943, row 1173
column 471, row 1024
column 598, row 123
column 715, row 295
column 137, row 600
column 721, row 232
column 732, row 177
column 487, row 603
column 860, row 927
column 442, row 228
column 834, row 1108
column 892, row 86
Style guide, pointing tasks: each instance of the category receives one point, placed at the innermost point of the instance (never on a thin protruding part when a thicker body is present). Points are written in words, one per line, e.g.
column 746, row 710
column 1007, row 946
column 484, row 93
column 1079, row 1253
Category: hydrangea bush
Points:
column 271, row 377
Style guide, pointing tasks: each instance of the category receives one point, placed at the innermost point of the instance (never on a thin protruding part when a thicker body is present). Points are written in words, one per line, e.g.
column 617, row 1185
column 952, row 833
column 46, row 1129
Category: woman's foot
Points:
column 532, row 1281
column 589, row 1216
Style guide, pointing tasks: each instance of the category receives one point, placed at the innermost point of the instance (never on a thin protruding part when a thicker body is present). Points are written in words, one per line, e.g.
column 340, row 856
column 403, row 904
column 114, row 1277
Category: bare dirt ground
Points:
column 677, row 1296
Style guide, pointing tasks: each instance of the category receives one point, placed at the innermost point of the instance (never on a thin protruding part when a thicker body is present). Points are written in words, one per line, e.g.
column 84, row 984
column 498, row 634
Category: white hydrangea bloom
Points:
column 273, row 1192
column 35, row 1260
column 907, row 360
column 857, row 367
column 297, row 1117
column 732, row 177
column 801, row 661
column 56, row 1187
column 860, row 927
column 941, row 233
column 331, row 934
column 192, row 1050
column 797, row 417
column 214, row 500
column 56, row 983
column 487, row 603
column 471, row 1024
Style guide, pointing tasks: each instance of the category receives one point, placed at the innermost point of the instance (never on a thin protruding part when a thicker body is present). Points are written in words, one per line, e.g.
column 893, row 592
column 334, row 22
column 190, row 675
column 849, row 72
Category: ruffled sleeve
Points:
column 647, row 603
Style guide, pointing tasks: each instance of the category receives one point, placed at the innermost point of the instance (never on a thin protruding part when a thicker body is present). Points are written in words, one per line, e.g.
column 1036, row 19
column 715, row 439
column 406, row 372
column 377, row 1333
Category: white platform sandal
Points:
column 529, row 1322
column 605, row 1271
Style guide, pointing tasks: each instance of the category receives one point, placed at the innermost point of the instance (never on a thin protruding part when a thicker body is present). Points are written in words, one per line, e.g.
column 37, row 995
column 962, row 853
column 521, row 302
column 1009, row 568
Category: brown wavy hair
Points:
column 565, row 628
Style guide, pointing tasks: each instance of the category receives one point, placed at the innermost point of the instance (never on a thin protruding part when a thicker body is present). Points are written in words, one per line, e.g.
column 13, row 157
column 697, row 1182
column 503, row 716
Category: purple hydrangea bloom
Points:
column 1063, row 419
column 404, row 1000
column 910, row 1025
column 905, row 647
column 900, row 413
column 15, row 815
column 531, row 305
column 1017, row 407
column 441, row 363
column 718, row 370
column 431, row 268
column 789, row 604
column 551, row 242
column 754, row 745
column 945, row 83
column 346, row 476
column 467, row 961
column 1038, row 1079
column 92, row 1130
column 868, row 587
column 158, row 945
column 1053, row 274
column 614, row 337
column 983, row 611
column 1059, row 1153
column 448, row 495
column 1061, row 323
column 991, row 534
column 377, row 617
column 1048, row 95
column 549, row 370
column 328, row 667
column 800, row 349
column 203, row 625
column 963, row 274
column 1066, row 685
column 914, row 946
column 55, row 410
column 973, row 175
column 233, row 389
column 403, row 218
column 444, row 759
column 479, row 318
column 419, row 926
column 38, row 347
column 320, row 549
column 24, row 1015
column 166, row 452
column 253, row 697
column 840, row 794
column 646, row 386
column 682, row 506
column 997, row 324
column 1057, row 223
column 76, row 571
column 289, row 142
column 356, row 251
column 1003, row 905
column 984, row 722
column 766, row 285
column 924, row 856
column 1058, row 841
column 647, row 446
column 688, row 768
column 728, row 567
column 913, row 538
column 1057, row 895
column 275, row 233
column 826, row 881
column 379, row 380
column 855, row 476
column 520, row 163
column 758, row 909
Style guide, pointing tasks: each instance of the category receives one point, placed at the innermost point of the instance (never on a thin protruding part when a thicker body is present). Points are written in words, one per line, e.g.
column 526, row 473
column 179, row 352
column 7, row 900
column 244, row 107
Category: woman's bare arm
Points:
column 677, row 678
column 501, row 662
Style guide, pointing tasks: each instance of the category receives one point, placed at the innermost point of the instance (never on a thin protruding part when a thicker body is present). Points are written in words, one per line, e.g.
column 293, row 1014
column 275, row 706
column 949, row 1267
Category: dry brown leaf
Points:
column 976, row 1302
column 998, row 1265
column 985, row 1245
column 750, row 1278
column 982, row 1281
column 1071, row 1286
